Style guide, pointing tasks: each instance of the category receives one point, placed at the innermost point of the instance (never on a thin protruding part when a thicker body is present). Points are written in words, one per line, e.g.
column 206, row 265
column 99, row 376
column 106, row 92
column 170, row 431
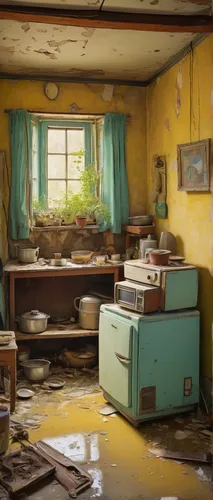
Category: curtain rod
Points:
column 62, row 114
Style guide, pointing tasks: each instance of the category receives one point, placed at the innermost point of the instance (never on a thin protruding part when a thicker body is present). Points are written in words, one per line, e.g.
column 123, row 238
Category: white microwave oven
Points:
column 137, row 297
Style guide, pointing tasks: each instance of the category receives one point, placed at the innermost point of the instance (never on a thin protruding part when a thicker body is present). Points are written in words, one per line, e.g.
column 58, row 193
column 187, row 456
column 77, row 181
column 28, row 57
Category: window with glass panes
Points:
column 65, row 161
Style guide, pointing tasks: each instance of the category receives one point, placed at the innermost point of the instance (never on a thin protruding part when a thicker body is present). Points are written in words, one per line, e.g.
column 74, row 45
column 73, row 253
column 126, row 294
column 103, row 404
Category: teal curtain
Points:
column 42, row 148
column 115, row 184
column 21, row 162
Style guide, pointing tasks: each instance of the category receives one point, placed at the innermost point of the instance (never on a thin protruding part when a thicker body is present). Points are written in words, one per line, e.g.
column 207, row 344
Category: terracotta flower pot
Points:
column 159, row 257
column 81, row 221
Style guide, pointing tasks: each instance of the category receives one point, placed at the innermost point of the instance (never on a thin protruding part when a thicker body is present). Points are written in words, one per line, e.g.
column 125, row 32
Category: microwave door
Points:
column 126, row 297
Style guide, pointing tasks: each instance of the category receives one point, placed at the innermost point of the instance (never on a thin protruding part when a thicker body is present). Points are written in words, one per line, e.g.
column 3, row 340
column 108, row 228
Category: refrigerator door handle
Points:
column 123, row 359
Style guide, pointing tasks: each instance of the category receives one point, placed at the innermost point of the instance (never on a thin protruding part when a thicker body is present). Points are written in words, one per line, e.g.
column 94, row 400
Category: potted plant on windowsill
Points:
column 92, row 207
column 44, row 217
column 80, row 209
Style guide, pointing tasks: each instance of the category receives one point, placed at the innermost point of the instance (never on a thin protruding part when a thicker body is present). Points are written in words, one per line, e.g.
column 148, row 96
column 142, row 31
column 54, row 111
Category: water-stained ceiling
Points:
column 186, row 7
column 48, row 49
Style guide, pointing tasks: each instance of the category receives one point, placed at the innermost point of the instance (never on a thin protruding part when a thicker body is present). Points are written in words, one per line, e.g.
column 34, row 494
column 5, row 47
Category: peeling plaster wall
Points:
column 84, row 98
column 171, row 121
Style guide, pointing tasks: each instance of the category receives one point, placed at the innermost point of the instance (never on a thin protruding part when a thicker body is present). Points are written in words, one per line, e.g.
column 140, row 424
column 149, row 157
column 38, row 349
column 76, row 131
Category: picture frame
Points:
column 193, row 163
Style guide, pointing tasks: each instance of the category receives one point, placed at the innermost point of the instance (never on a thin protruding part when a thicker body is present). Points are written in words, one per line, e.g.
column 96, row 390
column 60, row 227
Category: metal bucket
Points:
column 89, row 311
column 4, row 428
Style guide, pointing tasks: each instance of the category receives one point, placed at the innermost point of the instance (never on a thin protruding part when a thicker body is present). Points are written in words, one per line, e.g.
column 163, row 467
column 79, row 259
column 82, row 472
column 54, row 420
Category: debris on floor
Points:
column 180, row 435
column 18, row 432
column 31, row 464
column 108, row 409
column 23, row 468
column 204, row 474
column 182, row 456
column 4, row 495
column 51, row 413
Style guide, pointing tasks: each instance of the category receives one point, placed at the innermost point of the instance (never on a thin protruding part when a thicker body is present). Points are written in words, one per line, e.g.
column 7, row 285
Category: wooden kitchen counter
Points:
column 15, row 272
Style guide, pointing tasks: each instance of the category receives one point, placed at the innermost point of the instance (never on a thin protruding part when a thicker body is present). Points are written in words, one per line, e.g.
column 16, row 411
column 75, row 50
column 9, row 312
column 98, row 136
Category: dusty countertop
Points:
column 41, row 265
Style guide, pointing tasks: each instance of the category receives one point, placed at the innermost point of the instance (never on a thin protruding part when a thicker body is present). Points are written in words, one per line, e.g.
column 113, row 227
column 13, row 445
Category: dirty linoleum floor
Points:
column 111, row 450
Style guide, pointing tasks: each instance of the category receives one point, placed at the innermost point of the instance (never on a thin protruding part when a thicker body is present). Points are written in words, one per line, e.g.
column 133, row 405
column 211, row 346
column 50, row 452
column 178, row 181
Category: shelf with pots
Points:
column 57, row 331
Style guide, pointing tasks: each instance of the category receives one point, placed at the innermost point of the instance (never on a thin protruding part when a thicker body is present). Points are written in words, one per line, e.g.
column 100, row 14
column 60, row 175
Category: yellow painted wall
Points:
column 189, row 214
column 90, row 99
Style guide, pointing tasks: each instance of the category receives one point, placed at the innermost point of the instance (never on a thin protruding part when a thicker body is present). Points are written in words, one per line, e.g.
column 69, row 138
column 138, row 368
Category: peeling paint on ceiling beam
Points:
column 71, row 79
column 109, row 20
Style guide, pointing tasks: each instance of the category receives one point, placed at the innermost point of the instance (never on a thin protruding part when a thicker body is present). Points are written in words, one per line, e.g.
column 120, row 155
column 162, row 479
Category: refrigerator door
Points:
column 115, row 350
column 168, row 369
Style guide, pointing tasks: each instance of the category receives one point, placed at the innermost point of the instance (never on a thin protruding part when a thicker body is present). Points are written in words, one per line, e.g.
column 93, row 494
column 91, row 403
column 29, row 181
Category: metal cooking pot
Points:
column 141, row 220
column 89, row 311
column 33, row 322
column 36, row 369
column 27, row 255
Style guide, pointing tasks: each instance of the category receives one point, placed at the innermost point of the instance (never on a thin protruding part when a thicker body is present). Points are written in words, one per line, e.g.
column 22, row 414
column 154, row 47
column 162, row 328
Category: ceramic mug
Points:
column 101, row 260
column 115, row 257
column 147, row 252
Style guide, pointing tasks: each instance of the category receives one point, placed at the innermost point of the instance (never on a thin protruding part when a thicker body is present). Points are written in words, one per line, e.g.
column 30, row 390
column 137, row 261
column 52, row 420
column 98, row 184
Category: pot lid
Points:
column 34, row 314
column 88, row 299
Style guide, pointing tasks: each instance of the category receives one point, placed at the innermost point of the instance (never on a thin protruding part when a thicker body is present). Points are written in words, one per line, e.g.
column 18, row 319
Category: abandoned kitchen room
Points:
column 106, row 230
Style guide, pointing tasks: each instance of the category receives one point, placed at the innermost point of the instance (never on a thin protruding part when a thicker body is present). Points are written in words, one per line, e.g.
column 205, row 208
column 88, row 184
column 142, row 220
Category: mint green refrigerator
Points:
column 149, row 364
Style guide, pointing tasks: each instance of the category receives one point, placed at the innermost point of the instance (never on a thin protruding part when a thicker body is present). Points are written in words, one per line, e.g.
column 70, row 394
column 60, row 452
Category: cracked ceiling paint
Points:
column 70, row 51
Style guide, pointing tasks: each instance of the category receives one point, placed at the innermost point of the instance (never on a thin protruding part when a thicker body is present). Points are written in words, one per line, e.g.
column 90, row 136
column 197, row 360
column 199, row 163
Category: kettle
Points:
column 146, row 243
column 88, row 307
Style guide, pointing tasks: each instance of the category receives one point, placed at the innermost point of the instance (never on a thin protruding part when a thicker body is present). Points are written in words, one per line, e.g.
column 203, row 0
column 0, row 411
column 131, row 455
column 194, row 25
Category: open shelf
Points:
column 57, row 332
column 140, row 230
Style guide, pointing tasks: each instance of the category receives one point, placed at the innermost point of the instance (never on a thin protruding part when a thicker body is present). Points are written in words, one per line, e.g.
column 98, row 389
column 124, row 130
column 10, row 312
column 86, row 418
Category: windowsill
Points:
column 91, row 227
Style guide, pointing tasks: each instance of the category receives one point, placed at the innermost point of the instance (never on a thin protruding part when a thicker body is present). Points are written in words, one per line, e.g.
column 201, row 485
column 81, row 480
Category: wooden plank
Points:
column 57, row 332
column 140, row 230
column 72, row 477
column 12, row 302
column 183, row 456
column 110, row 20
column 38, row 271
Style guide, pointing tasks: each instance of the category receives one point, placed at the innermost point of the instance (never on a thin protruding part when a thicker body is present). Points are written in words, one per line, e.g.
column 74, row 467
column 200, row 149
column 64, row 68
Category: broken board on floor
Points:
column 22, row 469
column 68, row 474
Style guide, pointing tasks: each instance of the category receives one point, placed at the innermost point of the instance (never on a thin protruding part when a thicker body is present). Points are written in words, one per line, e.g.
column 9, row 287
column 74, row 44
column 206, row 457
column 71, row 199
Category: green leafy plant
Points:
column 39, row 206
column 86, row 203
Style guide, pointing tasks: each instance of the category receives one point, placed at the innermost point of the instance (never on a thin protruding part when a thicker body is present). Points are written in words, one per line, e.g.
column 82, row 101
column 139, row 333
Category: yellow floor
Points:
column 119, row 461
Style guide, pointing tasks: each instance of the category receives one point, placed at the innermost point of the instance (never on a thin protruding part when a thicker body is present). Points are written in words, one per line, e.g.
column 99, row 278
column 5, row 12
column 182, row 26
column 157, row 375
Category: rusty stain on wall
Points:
column 178, row 87
column 167, row 124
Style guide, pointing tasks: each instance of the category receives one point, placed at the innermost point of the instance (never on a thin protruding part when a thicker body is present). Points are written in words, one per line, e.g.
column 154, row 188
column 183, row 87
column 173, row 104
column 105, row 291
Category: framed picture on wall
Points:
column 193, row 160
